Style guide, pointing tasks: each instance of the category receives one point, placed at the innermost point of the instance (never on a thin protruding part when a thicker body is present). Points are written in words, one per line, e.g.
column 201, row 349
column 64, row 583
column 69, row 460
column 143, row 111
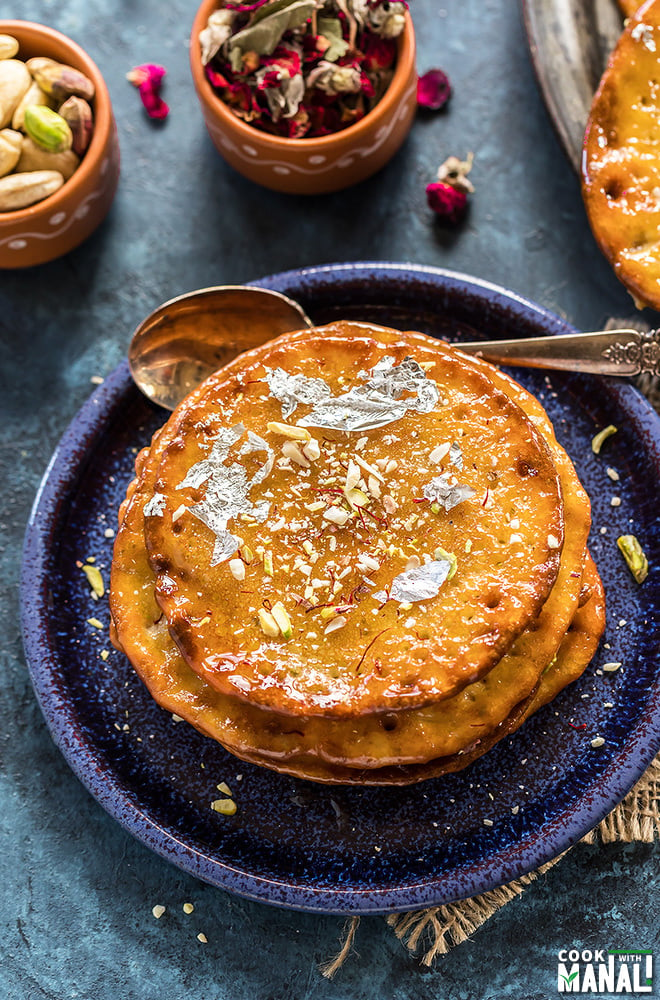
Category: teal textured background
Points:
column 76, row 891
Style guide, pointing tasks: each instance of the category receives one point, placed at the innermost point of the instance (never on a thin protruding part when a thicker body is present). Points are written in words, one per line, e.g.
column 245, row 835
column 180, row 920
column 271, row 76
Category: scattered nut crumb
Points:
column 203, row 938
column 158, row 911
column 188, row 907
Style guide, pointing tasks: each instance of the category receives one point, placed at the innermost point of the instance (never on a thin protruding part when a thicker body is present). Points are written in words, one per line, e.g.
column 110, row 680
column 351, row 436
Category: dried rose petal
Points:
column 379, row 53
column 446, row 201
column 433, row 90
column 148, row 80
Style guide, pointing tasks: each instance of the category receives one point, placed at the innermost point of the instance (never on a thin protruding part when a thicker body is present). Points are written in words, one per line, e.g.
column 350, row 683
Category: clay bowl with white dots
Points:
column 60, row 222
column 310, row 165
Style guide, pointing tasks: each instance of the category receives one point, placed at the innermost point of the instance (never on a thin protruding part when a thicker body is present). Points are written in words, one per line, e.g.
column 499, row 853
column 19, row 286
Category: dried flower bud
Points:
column 446, row 201
column 454, row 172
column 433, row 90
column 148, row 79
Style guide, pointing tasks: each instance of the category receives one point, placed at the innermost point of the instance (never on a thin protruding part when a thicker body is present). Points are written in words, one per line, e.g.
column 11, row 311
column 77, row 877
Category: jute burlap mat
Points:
column 437, row 930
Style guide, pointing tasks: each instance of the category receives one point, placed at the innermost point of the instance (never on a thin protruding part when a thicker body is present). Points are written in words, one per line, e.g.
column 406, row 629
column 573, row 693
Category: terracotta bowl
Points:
column 60, row 222
column 310, row 166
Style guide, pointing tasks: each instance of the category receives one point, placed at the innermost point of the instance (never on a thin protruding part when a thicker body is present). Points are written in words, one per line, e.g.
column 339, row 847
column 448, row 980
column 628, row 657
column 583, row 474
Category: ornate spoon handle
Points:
column 611, row 352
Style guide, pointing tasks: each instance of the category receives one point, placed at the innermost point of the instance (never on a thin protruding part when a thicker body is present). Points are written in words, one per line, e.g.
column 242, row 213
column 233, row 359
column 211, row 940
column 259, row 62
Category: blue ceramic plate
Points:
column 350, row 850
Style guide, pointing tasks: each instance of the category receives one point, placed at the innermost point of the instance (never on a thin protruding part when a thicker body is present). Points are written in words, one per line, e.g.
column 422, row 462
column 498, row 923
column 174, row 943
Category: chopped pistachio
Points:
column 225, row 806
column 356, row 497
column 601, row 437
column 268, row 624
column 435, row 507
column 634, row 555
column 268, row 563
column 105, row 653
column 315, row 506
column 282, row 619
column 289, row 431
column 94, row 579
column 441, row 553
column 247, row 553
column 327, row 613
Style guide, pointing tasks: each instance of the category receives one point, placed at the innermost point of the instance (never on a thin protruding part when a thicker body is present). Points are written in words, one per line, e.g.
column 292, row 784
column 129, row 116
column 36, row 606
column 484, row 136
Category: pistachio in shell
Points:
column 8, row 46
column 33, row 95
column 10, row 150
column 48, row 129
column 21, row 190
column 14, row 81
column 78, row 115
column 33, row 157
column 60, row 81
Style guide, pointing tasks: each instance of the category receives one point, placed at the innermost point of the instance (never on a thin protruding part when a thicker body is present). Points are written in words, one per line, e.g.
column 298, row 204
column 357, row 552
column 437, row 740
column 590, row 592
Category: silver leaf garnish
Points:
column 456, row 455
column 256, row 443
column 228, row 487
column 156, row 506
column 418, row 584
column 441, row 490
column 294, row 389
column 377, row 403
column 201, row 471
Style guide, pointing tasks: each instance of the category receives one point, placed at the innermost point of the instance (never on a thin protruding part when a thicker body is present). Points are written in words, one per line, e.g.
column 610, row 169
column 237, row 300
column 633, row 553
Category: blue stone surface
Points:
column 76, row 889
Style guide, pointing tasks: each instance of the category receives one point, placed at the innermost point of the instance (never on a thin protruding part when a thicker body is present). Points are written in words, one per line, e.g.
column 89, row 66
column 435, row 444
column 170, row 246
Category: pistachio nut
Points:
column 14, row 81
column 10, row 150
column 33, row 157
column 33, row 95
column 20, row 190
column 8, row 46
column 39, row 62
column 47, row 128
column 60, row 81
column 77, row 113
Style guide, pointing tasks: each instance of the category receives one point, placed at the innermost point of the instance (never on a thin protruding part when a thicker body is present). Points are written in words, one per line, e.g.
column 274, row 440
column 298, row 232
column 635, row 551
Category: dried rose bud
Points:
column 446, row 201
column 148, row 80
column 433, row 90
column 379, row 53
column 455, row 172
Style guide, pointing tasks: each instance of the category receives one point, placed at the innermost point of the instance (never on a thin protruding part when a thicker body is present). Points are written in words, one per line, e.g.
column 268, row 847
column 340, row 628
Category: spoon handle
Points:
column 611, row 352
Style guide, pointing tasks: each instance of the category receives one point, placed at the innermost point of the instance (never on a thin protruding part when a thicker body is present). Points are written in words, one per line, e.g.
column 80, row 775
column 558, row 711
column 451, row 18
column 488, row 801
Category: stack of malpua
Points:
column 356, row 556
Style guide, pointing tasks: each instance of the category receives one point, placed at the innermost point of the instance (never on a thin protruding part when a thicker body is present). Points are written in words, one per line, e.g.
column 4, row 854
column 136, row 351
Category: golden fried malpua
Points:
column 621, row 158
column 331, row 528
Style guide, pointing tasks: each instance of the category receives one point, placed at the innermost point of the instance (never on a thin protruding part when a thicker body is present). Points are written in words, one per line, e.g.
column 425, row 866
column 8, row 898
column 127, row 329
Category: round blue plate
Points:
column 351, row 850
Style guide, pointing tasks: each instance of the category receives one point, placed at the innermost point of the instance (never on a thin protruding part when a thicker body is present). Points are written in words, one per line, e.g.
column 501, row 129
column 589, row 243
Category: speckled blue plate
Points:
column 352, row 850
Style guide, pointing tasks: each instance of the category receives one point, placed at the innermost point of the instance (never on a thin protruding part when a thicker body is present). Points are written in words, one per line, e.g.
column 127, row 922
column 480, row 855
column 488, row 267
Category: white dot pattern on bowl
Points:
column 17, row 244
column 57, row 218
